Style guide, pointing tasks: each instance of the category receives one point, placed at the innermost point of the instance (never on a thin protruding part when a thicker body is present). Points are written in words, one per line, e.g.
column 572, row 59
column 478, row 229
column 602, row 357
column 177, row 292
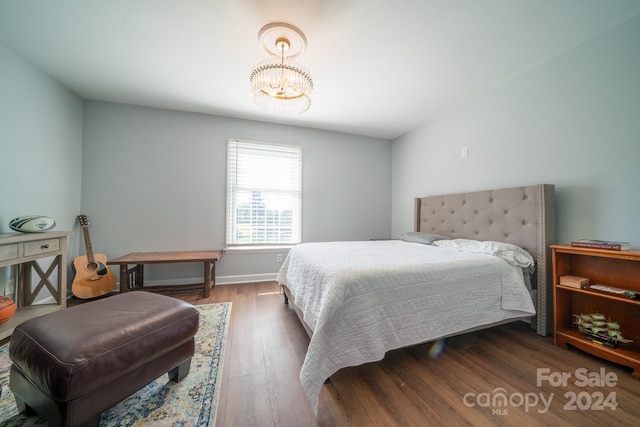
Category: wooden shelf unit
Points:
column 619, row 269
column 24, row 250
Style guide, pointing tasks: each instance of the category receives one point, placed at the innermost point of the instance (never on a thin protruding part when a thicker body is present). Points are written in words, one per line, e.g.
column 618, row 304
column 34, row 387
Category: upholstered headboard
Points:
column 523, row 216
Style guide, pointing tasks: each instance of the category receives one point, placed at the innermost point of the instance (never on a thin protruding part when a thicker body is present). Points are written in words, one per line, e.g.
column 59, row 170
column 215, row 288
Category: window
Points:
column 264, row 187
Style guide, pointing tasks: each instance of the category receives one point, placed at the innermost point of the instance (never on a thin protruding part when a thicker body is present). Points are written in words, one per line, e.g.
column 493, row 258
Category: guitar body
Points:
column 92, row 278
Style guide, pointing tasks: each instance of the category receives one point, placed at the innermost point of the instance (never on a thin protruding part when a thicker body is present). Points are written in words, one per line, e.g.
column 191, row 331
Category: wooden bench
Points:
column 133, row 278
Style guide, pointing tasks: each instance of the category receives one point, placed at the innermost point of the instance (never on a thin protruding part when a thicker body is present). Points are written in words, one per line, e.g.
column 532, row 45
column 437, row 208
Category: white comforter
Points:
column 362, row 299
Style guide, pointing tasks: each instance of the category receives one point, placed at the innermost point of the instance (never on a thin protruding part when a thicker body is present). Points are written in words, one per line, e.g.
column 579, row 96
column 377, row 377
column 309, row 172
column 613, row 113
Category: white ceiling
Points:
column 380, row 67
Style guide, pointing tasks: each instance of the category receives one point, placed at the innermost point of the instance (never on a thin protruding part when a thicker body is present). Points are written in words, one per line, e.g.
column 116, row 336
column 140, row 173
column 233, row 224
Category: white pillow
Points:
column 513, row 254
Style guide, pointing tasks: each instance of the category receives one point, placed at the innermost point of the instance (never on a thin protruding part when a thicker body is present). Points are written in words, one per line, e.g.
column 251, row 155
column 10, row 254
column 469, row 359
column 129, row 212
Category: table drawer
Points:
column 41, row 247
column 8, row 252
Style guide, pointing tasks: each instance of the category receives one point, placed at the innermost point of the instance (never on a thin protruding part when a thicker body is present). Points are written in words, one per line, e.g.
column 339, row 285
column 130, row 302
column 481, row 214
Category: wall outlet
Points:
column 278, row 257
column 464, row 152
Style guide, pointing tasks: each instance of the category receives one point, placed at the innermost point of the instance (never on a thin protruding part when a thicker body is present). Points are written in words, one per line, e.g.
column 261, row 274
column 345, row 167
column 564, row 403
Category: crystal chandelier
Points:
column 278, row 83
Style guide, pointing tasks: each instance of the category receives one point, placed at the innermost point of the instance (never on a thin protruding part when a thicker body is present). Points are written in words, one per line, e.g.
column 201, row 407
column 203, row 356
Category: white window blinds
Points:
column 264, row 188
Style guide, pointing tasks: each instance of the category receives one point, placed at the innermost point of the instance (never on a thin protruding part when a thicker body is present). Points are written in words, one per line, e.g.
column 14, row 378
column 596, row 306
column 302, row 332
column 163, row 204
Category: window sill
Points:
column 234, row 250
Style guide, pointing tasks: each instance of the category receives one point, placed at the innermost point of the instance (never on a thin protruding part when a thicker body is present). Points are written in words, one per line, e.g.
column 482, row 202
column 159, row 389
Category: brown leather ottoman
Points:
column 72, row 365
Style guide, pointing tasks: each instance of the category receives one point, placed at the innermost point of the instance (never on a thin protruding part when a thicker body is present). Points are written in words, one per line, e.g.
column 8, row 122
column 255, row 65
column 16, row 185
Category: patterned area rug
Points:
column 191, row 402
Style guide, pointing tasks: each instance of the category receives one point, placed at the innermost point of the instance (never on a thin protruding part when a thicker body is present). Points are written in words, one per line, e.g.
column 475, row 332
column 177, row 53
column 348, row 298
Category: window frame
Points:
column 239, row 151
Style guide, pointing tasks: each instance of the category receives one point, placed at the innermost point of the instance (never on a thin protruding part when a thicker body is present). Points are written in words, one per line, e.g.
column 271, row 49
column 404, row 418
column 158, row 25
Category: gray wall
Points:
column 154, row 180
column 573, row 122
column 41, row 146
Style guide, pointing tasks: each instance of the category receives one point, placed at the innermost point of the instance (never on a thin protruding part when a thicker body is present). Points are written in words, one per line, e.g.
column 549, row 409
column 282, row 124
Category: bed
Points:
column 474, row 260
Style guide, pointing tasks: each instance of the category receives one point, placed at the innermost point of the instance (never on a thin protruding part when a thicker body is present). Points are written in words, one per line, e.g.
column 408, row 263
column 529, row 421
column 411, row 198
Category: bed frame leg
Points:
column 286, row 299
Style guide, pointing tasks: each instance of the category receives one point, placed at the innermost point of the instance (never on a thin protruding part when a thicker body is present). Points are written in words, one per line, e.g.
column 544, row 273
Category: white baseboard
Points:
column 246, row 278
column 220, row 280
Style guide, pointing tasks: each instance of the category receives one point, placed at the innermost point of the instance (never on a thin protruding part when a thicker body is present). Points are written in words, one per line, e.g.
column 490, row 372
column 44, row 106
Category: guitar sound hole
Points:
column 92, row 266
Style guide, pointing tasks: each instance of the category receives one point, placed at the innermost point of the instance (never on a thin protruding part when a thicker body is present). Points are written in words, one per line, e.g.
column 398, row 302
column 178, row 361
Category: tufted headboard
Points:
column 523, row 216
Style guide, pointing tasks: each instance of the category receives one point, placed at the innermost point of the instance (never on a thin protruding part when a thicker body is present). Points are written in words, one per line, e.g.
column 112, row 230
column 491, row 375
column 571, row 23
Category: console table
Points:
column 24, row 250
column 133, row 278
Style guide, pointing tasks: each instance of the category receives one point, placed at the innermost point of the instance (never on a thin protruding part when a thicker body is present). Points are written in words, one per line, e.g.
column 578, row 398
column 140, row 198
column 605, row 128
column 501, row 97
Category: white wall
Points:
column 573, row 122
column 40, row 145
column 154, row 180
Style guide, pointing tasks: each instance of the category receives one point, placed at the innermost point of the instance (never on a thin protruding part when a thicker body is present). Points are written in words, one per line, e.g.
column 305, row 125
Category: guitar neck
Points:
column 87, row 243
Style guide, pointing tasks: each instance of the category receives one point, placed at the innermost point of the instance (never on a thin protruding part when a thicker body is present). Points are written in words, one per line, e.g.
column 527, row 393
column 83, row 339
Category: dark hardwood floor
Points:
column 266, row 347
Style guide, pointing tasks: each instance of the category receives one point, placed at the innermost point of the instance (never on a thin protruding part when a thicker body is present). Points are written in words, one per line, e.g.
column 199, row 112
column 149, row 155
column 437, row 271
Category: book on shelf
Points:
column 574, row 281
column 602, row 244
column 618, row 291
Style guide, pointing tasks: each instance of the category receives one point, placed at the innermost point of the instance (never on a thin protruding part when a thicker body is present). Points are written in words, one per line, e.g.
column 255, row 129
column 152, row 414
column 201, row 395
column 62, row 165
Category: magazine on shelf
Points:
column 602, row 244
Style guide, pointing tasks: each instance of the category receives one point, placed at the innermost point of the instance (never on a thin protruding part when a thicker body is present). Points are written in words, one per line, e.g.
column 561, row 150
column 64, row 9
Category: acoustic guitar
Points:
column 92, row 278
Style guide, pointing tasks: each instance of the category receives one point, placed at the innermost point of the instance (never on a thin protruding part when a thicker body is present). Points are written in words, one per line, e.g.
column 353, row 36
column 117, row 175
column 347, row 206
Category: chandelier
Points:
column 278, row 83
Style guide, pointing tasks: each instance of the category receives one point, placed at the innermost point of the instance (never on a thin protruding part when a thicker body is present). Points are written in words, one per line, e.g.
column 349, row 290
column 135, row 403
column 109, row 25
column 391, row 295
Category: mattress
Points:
column 362, row 299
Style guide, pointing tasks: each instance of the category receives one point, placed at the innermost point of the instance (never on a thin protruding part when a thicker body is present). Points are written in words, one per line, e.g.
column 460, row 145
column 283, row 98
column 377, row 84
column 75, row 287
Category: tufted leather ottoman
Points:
column 72, row 365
